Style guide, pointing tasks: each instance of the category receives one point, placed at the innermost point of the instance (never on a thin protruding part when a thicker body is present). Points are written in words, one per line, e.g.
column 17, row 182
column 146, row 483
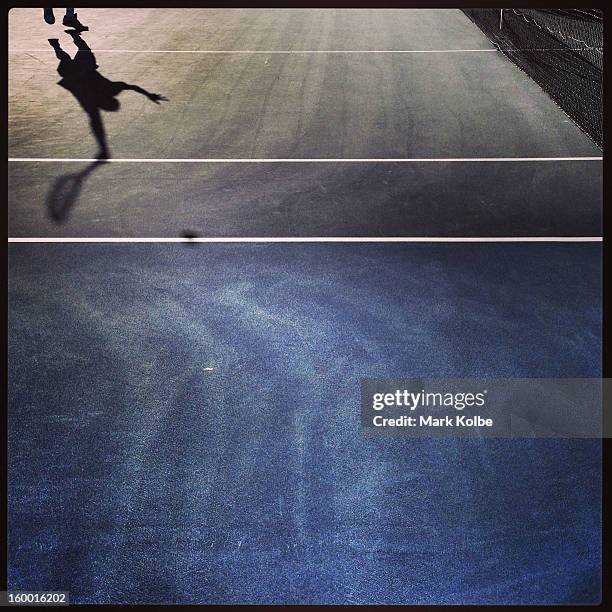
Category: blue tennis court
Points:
column 185, row 426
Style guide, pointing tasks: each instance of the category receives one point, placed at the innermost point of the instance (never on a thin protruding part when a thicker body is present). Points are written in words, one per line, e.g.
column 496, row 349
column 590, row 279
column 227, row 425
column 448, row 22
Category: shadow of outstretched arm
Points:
column 157, row 98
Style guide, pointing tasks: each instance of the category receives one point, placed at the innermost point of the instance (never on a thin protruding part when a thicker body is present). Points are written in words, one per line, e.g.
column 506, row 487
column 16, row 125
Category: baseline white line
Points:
column 296, row 52
column 278, row 52
column 242, row 160
column 322, row 239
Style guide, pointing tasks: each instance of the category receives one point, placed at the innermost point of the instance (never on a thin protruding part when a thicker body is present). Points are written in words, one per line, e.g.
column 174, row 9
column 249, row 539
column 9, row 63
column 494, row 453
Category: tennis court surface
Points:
column 185, row 424
column 483, row 149
column 400, row 200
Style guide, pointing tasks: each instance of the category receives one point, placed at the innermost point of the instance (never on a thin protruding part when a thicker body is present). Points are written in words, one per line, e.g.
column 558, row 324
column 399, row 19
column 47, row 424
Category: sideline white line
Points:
column 242, row 160
column 323, row 239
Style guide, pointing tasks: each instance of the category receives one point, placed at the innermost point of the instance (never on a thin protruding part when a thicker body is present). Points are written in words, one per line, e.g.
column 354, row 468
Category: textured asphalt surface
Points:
column 267, row 200
column 184, row 424
column 467, row 101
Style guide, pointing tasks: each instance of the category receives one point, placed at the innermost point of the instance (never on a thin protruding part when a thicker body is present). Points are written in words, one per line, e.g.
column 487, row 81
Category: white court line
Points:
column 277, row 52
column 316, row 160
column 297, row 52
column 323, row 239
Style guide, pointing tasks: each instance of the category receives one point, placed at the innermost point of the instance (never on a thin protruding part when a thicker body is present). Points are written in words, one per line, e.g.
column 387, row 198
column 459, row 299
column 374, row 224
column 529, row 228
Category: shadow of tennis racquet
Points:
column 66, row 189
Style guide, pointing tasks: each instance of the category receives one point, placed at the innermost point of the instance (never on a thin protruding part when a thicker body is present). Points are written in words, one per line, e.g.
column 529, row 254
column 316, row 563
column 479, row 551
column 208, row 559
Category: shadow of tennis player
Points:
column 93, row 91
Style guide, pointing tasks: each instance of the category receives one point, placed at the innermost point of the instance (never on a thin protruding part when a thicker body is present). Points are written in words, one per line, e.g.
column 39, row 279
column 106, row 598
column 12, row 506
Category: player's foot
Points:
column 49, row 16
column 71, row 21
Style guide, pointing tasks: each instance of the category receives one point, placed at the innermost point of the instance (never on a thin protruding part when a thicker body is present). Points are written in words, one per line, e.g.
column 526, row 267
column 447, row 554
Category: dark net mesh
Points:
column 560, row 49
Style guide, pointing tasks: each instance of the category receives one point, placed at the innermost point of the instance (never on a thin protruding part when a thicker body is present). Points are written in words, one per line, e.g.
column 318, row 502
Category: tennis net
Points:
column 560, row 49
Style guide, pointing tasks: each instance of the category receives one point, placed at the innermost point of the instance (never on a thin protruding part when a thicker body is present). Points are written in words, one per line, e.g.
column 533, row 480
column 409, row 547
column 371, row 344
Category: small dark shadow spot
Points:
column 190, row 236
